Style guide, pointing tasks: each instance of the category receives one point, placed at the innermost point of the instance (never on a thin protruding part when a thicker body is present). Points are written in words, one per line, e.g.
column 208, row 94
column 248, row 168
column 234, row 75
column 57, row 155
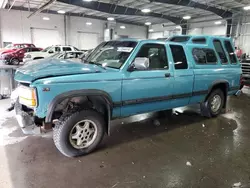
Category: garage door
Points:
column 87, row 41
column 44, row 37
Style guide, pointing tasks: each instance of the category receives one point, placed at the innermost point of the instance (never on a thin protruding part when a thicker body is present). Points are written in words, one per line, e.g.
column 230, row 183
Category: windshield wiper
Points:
column 98, row 64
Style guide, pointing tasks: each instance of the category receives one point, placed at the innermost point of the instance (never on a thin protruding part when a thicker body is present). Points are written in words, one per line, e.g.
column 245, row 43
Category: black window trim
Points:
column 151, row 69
column 203, row 40
column 236, row 62
column 173, row 56
column 224, row 50
column 211, row 63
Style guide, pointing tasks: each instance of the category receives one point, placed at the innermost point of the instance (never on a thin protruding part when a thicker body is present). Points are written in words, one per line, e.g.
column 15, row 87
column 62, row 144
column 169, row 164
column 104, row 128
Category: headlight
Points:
column 27, row 96
column 27, row 56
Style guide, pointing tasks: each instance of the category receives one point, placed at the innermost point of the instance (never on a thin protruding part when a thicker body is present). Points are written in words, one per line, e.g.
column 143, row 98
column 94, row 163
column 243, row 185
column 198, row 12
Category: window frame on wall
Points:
column 230, row 52
column 223, row 50
column 165, row 58
column 176, row 66
column 205, row 52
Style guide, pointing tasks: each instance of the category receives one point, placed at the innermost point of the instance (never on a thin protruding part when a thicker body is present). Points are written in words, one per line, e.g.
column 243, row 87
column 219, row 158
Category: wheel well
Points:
column 70, row 105
column 224, row 89
column 38, row 58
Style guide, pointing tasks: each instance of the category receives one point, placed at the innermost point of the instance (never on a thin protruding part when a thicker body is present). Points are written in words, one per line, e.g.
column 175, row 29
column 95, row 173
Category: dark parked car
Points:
column 245, row 65
column 14, row 57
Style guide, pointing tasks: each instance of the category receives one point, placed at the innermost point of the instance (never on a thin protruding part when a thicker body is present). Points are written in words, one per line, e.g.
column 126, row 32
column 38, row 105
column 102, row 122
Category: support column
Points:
column 1, row 42
column 229, row 27
column 184, row 29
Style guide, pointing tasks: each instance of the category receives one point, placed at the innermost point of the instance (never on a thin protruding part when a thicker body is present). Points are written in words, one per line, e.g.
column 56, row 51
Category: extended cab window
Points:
column 204, row 56
column 57, row 49
column 66, row 49
column 179, row 57
column 156, row 54
column 230, row 52
column 220, row 51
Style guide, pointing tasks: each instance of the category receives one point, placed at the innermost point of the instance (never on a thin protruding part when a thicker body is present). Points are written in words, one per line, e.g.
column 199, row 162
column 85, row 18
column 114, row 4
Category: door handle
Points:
column 167, row 75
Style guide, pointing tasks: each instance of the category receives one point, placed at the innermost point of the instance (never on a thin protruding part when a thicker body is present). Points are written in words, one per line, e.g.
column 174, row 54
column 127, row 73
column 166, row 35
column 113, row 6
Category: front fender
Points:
column 77, row 93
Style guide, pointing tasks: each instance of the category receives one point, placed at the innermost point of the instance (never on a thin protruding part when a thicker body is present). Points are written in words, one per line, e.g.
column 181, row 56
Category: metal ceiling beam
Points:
column 189, row 3
column 75, row 14
column 41, row 8
column 121, row 10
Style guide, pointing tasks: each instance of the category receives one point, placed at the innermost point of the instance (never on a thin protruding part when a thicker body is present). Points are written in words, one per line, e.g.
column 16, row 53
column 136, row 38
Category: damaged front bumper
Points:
column 26, row 120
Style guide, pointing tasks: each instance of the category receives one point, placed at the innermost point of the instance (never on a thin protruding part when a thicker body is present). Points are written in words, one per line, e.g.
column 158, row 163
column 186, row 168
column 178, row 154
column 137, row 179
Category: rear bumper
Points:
column 26, row 121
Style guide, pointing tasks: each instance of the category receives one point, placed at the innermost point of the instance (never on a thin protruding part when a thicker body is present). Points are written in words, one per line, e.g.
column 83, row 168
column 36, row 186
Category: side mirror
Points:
column 51, row 52
column 140, row 63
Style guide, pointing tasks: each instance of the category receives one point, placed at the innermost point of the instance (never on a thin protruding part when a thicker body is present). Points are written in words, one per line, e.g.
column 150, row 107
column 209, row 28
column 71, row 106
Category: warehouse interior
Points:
column 155, row 149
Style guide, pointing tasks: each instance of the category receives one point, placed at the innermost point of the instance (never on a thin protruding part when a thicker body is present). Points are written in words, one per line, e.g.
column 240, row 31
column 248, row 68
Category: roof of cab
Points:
column 190, row 37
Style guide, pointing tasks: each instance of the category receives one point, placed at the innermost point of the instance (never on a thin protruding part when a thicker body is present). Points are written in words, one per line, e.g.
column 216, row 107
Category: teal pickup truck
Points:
column 122, row 78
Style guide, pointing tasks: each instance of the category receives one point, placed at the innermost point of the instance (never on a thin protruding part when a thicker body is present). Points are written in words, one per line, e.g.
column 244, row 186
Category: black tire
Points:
column 241, row 86
column 62, row 132
column 1, row 97
column 36, row 58
column 14, row 61
column 219, row 93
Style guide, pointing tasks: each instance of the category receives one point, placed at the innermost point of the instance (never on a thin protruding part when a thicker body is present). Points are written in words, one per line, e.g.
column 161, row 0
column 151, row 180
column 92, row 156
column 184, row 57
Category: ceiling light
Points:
column 146, row 10
column 178, row 27
column 88, row 23
column 46, row 18
column 122, row 27
column 150, row 30
column 110, row 18
column 87, row 0
column 246, row 7
column 61, row 11
column 186, row 17
column 217, row 22
column 147, row 23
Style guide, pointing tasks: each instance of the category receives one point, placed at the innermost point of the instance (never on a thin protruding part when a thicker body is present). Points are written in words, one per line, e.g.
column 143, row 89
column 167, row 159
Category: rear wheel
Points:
column 80, row 133
column 14, row 61
column 241, row 86
column 216, row 102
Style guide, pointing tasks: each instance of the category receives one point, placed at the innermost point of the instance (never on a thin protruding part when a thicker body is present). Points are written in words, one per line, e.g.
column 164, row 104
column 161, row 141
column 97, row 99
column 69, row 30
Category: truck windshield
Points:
column 111, row 54
column 46, row 49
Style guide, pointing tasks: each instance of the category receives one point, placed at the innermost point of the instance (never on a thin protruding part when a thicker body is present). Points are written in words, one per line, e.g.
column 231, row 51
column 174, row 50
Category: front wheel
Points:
column 14, row 61
column 241, row 86
column 216, row 102
column 80, row 133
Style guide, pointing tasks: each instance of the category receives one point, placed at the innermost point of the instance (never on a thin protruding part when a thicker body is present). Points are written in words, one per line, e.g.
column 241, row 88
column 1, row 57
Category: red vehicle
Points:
column 14, row 53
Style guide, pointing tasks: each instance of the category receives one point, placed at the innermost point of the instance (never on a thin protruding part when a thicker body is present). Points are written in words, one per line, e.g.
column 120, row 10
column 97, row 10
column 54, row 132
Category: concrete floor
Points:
column 185, row 150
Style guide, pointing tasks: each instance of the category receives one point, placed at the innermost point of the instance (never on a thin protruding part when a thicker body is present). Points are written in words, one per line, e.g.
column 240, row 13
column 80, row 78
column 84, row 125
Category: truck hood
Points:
column 53, row 67
column 38, row 54
column 4, row 51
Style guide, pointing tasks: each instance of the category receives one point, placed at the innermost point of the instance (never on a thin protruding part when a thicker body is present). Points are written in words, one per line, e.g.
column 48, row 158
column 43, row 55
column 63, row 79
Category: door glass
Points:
column 57, row 49
column 220, row 51
column 156, row 53
column 179, row 57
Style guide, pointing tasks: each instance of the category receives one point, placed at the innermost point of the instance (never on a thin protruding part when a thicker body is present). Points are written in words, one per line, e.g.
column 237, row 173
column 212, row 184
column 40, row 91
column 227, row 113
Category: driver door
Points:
column 151, row 89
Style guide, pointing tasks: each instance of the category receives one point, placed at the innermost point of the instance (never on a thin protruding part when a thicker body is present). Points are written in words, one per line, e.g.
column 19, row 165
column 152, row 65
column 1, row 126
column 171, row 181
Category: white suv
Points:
column 47, row 52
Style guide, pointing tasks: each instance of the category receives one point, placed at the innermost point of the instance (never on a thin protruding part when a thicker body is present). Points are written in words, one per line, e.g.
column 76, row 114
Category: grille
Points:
column 245, row 65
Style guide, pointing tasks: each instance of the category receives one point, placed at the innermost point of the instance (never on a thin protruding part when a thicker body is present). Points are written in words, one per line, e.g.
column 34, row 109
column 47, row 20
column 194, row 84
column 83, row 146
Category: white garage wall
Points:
column 242, row 40
column 16, row 27
column 78, row 24
column 164, row 30
column 207, row 28
column 139, row 32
